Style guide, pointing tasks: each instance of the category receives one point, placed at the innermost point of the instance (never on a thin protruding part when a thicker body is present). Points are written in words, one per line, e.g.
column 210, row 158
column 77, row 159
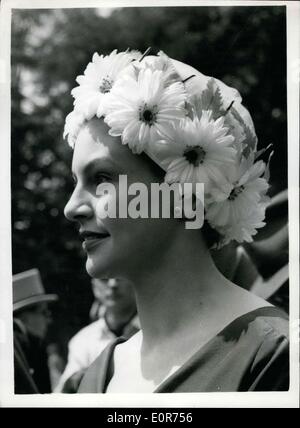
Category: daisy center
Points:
column 147, row 114
column 195, row 155
column 106, row 85
column 235, row 192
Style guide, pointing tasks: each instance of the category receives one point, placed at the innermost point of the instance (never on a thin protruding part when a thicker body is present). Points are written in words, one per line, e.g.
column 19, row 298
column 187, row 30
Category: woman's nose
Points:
column 78, row 207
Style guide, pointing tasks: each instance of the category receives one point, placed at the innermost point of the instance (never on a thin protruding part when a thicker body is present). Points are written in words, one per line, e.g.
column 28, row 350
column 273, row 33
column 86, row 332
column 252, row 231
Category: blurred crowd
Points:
column 260, row 267
column 39, row 367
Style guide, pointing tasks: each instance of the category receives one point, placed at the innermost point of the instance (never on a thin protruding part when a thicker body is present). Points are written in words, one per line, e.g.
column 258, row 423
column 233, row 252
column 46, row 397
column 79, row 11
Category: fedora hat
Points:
column 29, row 290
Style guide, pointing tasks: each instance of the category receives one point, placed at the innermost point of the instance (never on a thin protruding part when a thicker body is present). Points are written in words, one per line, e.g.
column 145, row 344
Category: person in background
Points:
column 117, row 317
column 262, row 265
column 270, row 253
column 97, row 309
column 56, row 363
column 31, row 318
column 24, row 382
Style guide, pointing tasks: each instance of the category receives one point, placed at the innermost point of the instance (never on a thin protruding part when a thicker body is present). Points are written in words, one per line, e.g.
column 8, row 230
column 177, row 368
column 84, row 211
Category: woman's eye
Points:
column 100, row 178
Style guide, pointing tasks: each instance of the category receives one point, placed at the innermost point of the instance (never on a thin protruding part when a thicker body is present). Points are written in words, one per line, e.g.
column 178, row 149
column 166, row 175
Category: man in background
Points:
column 31, row 318
column 116, row 309
column 270, row 253
column 262, row 266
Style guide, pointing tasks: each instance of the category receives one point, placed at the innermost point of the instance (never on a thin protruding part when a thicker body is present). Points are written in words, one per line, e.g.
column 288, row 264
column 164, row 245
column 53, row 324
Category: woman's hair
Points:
column 212, row 237
column 156, row 170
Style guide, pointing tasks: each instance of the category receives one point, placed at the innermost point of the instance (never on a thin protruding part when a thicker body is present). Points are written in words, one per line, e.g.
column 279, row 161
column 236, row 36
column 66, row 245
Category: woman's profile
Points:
column 154, row 120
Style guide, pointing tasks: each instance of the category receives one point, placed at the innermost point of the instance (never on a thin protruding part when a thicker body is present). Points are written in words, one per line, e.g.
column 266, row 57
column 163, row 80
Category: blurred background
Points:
column 243, row 46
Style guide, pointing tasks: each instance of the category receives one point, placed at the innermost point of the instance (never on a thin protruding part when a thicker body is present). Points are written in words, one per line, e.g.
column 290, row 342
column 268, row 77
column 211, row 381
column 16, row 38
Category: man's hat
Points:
column 29, row 290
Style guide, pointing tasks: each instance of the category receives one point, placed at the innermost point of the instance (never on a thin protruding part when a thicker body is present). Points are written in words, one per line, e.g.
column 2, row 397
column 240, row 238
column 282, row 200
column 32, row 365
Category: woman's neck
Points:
column 180, row 291
column 183, row 302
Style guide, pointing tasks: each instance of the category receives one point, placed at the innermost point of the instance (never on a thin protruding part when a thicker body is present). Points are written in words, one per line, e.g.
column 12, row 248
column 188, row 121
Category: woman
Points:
column 153, row 119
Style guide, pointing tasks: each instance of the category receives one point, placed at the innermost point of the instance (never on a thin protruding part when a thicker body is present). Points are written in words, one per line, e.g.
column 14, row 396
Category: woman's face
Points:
column 114, row 246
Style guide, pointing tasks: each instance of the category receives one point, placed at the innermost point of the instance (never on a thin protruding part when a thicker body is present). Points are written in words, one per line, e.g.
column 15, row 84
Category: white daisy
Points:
column 197, row 150
column 236, row 117
column 97, row 81
column 141, row 106
column 243, row 211
column 244, row 228
column 73, row 123
column 160, row 62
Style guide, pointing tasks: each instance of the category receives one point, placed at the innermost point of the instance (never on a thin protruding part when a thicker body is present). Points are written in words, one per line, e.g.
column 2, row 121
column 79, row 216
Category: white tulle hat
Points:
column 192, row 125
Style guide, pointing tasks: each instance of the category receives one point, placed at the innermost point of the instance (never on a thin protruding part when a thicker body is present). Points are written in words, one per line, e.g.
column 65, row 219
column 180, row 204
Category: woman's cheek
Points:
column 106, row 205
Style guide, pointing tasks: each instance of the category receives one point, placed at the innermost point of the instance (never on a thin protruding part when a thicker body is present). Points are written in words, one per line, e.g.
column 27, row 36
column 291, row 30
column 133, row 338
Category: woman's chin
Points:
column 103, row 266
column 94, row 268
column 98, row 261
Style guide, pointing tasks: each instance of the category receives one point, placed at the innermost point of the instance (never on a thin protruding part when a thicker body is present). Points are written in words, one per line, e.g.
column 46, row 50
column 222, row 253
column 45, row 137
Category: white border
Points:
column 53, row 4
column 237, row 399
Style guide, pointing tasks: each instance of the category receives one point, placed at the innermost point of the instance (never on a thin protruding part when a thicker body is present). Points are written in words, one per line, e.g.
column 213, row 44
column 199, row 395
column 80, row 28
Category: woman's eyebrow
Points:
column 101, row 164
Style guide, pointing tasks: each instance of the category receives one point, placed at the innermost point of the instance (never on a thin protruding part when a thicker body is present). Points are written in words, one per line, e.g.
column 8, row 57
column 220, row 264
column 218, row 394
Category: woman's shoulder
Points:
column 265, row 325
column 249, row 354
column 265, row 321
column 267, row 338
column 260, row 335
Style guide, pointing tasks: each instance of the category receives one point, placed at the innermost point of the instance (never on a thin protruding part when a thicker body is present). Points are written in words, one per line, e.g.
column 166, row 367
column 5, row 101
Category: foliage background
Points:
column 243, row 46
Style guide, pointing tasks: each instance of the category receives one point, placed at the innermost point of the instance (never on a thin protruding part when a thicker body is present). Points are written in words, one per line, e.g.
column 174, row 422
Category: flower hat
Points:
column 193, row 126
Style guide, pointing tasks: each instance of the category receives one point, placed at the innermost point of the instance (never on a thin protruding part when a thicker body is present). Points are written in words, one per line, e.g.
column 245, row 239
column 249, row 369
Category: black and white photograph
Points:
column 150, row 180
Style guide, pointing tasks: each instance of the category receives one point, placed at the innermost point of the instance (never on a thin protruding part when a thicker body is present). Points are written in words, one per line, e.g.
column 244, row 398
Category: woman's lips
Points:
column 92, row 239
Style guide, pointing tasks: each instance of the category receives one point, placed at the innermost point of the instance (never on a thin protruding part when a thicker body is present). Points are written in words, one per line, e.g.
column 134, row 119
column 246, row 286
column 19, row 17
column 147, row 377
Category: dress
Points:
column 88, row 343
column 250, row 354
